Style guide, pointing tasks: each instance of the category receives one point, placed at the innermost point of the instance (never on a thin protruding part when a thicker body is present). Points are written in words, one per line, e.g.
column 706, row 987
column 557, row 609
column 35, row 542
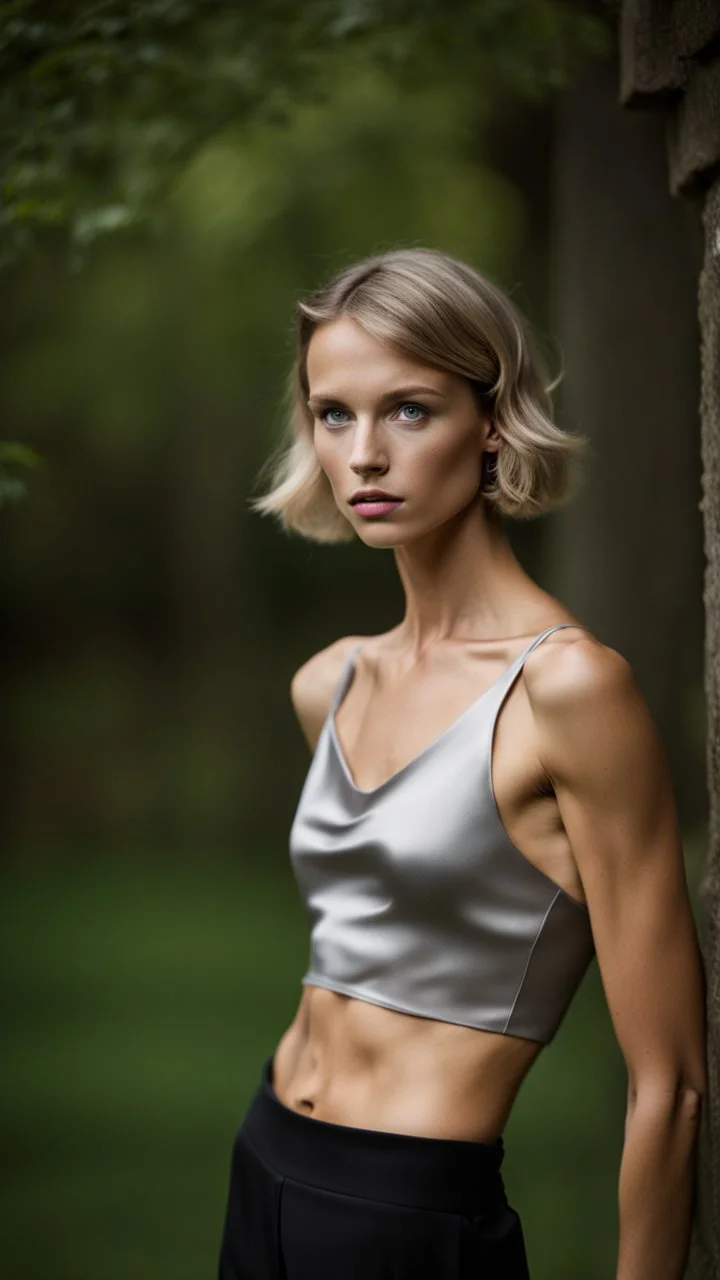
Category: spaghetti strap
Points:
column 538, row 639
column 343, row 679
column 349, row 663
column 414, row 886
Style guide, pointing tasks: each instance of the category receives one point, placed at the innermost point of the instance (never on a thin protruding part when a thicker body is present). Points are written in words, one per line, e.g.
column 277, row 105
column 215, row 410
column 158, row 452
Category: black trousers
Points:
column 309, row 1200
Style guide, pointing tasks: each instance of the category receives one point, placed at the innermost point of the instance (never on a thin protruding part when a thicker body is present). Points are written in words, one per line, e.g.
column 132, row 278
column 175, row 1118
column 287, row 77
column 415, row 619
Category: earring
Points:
column 489, row 469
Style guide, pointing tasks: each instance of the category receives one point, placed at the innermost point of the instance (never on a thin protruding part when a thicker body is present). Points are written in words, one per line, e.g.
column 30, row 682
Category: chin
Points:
column 384, row 538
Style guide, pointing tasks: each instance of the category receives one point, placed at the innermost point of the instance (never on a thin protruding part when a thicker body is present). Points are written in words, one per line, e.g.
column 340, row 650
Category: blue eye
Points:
column 339, row 417
column 416, row 410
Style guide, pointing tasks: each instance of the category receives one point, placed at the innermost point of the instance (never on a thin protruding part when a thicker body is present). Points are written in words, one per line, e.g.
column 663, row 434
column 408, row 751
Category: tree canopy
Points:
column 100, row 103
column 103, row 104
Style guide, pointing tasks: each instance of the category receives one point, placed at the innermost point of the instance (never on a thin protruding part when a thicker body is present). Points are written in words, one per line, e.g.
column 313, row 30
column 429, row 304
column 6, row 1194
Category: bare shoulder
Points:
column 573, row 668
column 591, row 715
column 314, row 683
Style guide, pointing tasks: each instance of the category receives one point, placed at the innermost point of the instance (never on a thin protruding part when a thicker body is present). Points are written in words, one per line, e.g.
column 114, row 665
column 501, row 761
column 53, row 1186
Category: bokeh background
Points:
column 152, row 937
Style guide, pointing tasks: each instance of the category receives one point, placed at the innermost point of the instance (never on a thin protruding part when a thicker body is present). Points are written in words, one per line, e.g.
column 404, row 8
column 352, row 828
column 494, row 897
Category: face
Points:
column 384, row 421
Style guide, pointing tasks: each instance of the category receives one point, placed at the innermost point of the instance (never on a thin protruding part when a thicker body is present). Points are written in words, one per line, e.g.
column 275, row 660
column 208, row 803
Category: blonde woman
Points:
column 487, row 807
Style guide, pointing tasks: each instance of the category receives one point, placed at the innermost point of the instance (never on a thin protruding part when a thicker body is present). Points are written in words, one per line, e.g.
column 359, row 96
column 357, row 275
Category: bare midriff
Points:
column 347, row 1061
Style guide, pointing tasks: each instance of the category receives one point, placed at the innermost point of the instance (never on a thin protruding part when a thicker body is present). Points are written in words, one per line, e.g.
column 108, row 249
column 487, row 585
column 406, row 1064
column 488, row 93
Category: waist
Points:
column 446, row 1174
column 354, row 1063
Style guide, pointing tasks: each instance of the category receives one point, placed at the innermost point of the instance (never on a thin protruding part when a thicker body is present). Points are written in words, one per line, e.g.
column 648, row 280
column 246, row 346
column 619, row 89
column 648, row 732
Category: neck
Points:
column 464, row 581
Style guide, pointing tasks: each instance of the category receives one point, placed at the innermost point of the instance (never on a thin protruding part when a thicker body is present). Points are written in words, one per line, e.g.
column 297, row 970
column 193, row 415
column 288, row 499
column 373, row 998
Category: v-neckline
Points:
column 436, row 742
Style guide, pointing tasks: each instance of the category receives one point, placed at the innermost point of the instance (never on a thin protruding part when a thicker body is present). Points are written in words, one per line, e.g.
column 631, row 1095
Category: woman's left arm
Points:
column 604, row 757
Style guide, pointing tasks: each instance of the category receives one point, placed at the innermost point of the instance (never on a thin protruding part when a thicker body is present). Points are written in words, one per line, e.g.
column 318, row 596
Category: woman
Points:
column 488, row 806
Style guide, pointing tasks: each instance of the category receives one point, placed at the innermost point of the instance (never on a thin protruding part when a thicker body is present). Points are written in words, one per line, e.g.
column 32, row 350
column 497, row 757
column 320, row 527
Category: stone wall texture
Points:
column 670, row 61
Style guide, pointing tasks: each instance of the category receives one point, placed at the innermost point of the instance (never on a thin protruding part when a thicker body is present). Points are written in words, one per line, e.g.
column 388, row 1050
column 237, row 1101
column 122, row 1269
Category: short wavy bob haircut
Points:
column 441, row 312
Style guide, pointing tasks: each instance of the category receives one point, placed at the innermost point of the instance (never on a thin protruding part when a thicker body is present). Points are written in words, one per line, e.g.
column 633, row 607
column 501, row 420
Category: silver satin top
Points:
column 417, row 898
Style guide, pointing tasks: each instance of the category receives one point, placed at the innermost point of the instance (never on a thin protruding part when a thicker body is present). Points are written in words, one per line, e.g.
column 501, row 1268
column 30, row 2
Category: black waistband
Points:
column 433, row 1173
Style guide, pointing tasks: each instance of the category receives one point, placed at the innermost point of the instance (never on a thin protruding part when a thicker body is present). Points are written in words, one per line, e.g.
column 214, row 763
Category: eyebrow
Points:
column 401, row 393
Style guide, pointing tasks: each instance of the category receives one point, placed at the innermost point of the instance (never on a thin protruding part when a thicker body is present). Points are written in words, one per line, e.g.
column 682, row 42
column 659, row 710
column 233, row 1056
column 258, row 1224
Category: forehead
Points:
column 343, row 356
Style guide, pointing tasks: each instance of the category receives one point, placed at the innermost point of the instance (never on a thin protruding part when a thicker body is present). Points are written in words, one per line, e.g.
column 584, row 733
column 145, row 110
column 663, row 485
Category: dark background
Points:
column 153, row 939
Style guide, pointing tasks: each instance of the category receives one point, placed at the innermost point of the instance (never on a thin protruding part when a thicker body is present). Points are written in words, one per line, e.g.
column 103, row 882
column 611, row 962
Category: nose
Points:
column 368, row 452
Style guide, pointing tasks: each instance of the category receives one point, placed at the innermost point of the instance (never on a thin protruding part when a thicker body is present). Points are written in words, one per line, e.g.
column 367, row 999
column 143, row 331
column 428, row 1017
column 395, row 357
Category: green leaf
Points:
column 21, row 454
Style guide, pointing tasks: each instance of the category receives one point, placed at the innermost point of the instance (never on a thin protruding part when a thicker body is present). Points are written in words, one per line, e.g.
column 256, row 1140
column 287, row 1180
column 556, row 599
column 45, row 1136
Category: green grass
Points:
column 140, row 997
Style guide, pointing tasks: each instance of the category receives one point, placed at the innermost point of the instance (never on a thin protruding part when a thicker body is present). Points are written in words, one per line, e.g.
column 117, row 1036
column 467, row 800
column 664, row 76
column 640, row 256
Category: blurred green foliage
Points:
column 101, row 102
column 156, row 617
column 12, row 487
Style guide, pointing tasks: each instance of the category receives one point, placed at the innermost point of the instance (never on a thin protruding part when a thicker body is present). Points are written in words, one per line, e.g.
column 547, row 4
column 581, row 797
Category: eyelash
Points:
column 405, row 404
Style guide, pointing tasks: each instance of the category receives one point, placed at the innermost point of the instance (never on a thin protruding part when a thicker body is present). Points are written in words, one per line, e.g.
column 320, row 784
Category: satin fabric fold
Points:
column 416, row 897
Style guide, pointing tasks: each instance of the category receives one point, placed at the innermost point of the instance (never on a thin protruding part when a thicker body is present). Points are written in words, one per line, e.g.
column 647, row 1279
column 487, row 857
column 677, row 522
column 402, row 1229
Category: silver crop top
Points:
column 417, row 898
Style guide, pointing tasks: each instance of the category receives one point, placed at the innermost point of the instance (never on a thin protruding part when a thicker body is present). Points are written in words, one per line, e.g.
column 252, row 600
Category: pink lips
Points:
column 376, row 506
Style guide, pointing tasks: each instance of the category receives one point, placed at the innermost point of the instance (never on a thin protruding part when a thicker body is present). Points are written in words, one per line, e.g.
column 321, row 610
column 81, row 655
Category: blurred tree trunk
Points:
column 627, row 553
column 670, row 58
column 706, row 1250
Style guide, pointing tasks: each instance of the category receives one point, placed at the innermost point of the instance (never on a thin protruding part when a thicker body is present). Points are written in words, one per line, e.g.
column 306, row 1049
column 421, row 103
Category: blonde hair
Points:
column 442, row 312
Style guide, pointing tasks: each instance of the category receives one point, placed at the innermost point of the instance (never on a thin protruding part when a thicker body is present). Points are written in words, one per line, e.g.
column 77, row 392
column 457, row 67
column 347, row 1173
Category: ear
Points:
column 492, row 440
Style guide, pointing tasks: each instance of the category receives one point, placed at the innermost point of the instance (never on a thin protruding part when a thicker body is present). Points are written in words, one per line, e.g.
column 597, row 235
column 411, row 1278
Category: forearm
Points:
column 657, row 1185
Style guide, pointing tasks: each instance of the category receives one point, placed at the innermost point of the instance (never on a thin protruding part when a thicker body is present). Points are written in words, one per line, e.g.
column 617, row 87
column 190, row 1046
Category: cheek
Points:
column 452, row 466
column 325, row 454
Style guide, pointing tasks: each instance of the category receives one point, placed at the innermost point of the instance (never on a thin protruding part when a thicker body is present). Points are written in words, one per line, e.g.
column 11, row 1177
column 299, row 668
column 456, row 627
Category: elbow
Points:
column 691, row 1088
column 690, row 1102
column 679, row 1095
